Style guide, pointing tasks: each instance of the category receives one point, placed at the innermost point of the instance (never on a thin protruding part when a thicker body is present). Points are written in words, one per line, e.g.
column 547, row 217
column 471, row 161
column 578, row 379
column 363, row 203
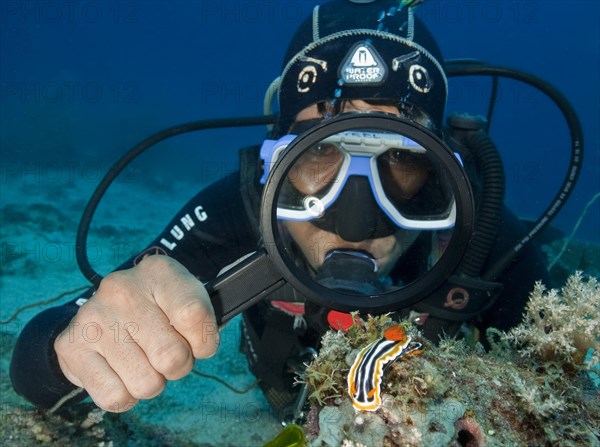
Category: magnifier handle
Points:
column 243, row 285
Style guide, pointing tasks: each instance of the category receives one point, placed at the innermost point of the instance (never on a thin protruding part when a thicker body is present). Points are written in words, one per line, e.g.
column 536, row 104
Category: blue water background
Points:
column 84, row 81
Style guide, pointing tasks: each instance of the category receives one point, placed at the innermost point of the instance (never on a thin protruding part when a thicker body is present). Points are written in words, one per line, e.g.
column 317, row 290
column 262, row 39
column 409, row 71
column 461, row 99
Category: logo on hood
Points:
column 363, row 66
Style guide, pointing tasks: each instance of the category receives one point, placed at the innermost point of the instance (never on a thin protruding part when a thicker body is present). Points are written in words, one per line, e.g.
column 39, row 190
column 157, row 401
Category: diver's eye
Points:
column 323, row 149
column 404, row 157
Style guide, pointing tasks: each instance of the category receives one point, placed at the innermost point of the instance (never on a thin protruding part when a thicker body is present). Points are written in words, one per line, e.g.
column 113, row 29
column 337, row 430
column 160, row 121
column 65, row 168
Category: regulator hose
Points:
column 463, row 67
column 489, row 165
column 84, row 224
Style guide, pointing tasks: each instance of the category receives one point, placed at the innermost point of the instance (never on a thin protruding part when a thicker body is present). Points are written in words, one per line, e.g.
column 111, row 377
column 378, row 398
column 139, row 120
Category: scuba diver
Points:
column 397, row 214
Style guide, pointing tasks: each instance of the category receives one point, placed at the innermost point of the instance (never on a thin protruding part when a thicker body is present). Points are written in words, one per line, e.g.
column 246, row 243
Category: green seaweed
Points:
column 291, row 436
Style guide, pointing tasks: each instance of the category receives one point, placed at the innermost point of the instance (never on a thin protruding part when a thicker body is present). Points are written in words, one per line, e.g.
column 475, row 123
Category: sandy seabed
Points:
column 37, row 234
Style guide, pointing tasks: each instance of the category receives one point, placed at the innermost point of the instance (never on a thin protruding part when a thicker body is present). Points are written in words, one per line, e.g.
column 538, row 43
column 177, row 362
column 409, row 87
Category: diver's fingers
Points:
column 166, row 350
column 129, row 295
column 185, row 302
column 147, row 325
column 103, row 384
column 129, row 361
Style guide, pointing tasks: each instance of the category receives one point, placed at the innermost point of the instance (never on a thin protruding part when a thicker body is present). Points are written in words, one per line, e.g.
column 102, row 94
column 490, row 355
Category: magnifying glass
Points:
column 365, row 212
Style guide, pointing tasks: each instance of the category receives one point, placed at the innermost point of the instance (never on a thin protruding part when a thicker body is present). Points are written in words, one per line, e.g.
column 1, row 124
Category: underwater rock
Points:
column 435, row 425
column 469, row 433
column 457, row 394
column 367, row 428
column 332, row 421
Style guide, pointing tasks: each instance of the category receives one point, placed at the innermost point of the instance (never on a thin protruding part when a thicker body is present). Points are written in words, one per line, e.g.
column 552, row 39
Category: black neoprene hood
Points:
column 400, row 60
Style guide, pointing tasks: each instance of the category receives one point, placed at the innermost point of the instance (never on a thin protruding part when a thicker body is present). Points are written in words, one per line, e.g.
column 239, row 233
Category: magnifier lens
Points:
column 365, row 211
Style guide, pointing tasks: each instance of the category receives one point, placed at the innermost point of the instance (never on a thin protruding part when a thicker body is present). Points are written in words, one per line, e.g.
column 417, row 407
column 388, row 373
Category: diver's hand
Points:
column 143, row 326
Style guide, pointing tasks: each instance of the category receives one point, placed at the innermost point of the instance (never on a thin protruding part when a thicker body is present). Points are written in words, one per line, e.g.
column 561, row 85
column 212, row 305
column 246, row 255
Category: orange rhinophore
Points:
column 395, row 333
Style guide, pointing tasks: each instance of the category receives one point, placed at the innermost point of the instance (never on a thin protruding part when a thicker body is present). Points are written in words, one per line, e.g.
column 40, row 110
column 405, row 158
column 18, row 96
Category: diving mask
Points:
column 370, row 171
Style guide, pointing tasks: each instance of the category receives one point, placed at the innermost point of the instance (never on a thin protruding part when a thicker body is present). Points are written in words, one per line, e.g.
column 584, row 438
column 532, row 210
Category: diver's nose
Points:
column 356, row 219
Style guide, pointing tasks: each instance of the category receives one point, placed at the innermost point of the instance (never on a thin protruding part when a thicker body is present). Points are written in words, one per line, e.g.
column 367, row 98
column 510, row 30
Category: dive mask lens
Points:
column 407, row 182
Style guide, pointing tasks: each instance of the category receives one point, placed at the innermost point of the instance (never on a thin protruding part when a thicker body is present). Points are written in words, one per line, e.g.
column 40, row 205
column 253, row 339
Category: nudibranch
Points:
column 364, row 378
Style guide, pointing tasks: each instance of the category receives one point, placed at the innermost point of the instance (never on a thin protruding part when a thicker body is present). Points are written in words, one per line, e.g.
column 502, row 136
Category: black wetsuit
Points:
column 214, row 229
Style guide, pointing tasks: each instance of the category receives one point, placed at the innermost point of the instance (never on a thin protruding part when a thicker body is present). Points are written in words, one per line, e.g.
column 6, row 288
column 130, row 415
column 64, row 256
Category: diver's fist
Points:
column 143, row 326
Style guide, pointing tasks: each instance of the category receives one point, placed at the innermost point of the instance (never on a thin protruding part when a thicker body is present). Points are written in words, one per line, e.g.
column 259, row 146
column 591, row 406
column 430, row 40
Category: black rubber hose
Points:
column 84, row 224
column 471, row 68
column 455, row 67
column 490, row 167
column 492, row 103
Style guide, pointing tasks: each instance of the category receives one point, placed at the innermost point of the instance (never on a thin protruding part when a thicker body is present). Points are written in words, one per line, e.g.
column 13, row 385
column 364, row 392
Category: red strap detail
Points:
column 292, row 309
column 341, row 321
